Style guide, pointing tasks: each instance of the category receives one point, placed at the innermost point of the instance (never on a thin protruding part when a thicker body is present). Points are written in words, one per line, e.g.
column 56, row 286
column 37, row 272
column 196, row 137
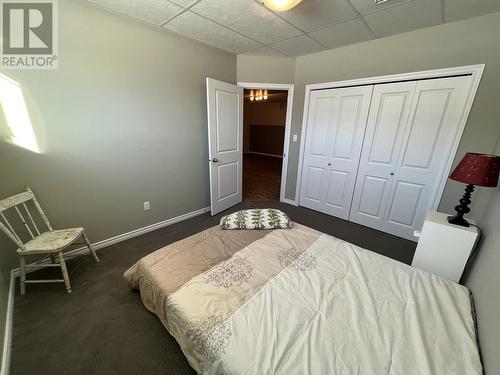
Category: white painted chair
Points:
column 49, row 243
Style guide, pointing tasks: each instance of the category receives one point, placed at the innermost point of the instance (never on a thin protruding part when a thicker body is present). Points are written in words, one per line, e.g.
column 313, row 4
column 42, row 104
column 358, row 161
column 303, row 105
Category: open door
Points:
column 225, row 144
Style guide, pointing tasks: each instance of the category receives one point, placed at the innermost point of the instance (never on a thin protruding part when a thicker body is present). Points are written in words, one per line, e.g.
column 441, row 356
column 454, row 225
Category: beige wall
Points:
column 484, row 281
column 468, row 42
column 267, row 69
column 122, row 121
column 266, row 113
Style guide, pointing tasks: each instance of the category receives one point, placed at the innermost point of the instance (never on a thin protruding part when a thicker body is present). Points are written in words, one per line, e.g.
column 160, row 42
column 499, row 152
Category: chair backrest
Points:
column 19, row 204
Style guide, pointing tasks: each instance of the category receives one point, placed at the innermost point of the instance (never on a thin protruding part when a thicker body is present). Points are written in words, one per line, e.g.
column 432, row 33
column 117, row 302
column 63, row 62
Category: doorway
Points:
column 225, row 104
column 264, row 125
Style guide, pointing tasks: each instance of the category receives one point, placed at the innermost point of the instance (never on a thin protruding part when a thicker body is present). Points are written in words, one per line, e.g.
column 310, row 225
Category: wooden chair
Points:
column 50, row 243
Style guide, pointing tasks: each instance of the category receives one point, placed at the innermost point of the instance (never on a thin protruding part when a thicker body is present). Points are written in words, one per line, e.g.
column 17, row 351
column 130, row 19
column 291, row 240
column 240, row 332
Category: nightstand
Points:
column 444, row 248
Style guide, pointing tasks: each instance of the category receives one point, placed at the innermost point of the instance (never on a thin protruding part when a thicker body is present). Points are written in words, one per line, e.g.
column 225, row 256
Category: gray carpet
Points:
column 103, row 328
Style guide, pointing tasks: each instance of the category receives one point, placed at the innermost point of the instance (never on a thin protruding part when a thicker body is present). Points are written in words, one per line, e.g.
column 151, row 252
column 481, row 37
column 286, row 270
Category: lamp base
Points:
column 458, row 220
column 462, row 208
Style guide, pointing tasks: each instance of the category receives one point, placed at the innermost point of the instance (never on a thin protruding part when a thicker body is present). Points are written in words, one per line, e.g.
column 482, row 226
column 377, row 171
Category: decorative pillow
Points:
column 268, row 218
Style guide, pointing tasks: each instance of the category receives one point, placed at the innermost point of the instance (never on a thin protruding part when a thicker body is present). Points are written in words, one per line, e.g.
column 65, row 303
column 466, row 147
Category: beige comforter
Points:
column 301, row 302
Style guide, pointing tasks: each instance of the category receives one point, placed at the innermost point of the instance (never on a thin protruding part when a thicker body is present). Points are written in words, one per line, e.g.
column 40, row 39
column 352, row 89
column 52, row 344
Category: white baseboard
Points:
column 125, row 236
column 71, row 254
column 289, row 201
column 4, row 370
column 137, row 232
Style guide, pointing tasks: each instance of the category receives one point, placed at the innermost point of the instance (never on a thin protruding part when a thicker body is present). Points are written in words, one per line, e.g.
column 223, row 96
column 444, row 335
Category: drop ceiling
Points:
column 246, row 26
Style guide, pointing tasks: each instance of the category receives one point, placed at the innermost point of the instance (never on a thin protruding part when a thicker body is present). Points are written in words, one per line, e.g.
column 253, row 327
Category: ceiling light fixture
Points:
column 280, row 5
column 258, row 95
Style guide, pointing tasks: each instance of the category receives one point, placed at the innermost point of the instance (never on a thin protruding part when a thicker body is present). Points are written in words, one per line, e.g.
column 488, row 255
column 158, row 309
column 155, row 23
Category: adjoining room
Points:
column 264, row 121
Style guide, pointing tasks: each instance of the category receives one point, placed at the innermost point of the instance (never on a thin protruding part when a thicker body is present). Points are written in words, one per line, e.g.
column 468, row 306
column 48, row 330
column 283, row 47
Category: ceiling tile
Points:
column 342, row 34
column 313, row 15
column 248, row 18
column 455, row 10
column 199, row 28
column 298, row 46
column 265, row 51
column 184, row 3
column 408, row 16
column 369, row 6
column 151, row 11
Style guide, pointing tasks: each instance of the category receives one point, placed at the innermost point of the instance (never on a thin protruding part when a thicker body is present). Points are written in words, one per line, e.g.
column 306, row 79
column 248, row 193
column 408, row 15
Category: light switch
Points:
column 294, row 138
column 147, row 206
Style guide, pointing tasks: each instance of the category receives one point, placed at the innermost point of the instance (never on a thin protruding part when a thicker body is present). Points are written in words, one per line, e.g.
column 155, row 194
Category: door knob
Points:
column 329, row 164
column 392, row 173
column 215, row 160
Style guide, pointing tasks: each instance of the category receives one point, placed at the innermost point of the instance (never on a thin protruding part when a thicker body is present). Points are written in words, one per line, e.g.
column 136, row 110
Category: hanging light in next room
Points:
column 280, row 5
column 258, row 95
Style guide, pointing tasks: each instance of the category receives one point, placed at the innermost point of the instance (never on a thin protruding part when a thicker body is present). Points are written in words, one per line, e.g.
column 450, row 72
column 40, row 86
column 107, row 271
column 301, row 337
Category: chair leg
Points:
column 22, row 283
column 91, row 249
column 64, row 271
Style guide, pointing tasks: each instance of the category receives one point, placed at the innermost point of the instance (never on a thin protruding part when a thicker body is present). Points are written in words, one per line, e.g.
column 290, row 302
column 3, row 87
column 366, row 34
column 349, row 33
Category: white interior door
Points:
column 395, row 192
column 389, row 113
column 225, row 144
column 335, row 129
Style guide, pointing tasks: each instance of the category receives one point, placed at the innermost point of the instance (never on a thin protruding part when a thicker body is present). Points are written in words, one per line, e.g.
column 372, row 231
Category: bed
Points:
column 297, row 301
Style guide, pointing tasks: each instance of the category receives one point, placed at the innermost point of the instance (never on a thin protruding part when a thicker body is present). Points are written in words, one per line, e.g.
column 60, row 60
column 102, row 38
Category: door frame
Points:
column 475, row 71
column 288, row 128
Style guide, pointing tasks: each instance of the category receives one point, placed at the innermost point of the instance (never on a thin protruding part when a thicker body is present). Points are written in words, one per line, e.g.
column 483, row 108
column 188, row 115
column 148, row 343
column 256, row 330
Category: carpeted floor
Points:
column 103, row 328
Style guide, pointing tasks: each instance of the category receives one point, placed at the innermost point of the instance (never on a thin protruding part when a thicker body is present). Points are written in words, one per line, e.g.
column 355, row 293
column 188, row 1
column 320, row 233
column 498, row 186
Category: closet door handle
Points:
column 392, row 173
column 329, row 164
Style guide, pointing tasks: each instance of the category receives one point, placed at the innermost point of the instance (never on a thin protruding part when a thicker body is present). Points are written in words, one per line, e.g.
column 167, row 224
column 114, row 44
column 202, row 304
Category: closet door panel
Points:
column 405, row 200
column 335, row 130
column 372, row 192
column 345, row 139
column 348, row 133
column 433, row 126
column 426, row 125
column 337, row 183
column 314, row 184
column 385, row 129
column 317, row 149
column 319, row 139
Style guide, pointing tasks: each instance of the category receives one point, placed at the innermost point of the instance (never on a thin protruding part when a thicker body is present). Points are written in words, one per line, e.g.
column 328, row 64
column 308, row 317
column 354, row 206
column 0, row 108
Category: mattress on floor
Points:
column 298, row 301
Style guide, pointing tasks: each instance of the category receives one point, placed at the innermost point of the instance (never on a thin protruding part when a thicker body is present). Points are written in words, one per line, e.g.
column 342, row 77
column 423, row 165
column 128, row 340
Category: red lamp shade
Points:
column 478, row 169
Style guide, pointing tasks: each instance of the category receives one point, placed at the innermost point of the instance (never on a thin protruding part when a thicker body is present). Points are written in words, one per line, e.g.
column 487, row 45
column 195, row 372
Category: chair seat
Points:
column 51, row 242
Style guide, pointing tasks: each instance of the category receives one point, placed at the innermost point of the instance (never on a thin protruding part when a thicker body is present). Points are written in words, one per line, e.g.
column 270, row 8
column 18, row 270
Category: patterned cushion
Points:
column 267, row 218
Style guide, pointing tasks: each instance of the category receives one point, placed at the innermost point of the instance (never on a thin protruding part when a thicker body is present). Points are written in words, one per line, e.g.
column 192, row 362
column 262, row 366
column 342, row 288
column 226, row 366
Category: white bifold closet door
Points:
column 410, row 134
column 336, row 126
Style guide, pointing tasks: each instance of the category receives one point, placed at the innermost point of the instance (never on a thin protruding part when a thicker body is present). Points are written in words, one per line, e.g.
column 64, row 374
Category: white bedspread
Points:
column 332, row 308
column 356, row 313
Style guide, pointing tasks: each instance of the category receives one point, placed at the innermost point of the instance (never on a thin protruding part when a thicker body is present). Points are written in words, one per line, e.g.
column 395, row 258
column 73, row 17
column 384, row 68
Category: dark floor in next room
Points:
column 103, row 327
column 261, row 177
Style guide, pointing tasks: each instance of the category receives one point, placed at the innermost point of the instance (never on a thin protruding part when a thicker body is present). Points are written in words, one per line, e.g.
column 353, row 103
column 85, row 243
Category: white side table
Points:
column 444, row 248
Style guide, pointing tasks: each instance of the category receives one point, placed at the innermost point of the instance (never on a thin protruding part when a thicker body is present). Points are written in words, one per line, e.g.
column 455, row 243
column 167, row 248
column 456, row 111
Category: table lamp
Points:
column 473, row 170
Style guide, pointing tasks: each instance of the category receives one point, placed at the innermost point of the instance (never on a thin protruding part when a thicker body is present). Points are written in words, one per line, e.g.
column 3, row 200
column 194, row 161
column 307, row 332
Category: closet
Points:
column 376, row 154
